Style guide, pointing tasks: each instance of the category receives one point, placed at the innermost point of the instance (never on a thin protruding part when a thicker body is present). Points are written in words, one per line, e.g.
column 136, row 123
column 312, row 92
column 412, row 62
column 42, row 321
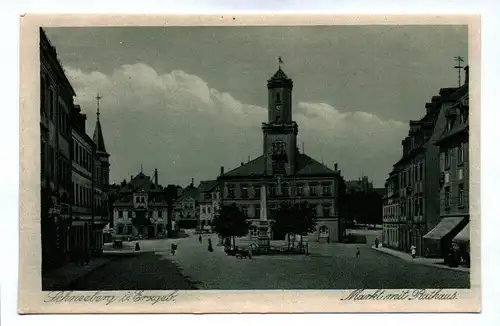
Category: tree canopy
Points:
column 294, row 219
column 230, row 221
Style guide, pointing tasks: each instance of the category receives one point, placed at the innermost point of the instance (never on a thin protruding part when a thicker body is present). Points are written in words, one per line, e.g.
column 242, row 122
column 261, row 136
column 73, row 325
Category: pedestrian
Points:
column 210, row 248
column 173, row 247
column 328, row 239
column 250, row 252
column 376, row 242
column 413, row 251
column 199, row 238
column 137, row 246
column 358, row 253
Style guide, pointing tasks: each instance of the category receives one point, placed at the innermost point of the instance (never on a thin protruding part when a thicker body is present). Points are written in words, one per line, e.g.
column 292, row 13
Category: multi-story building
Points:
column 208, row 202
column 288, row 174
column 56, row 103
column 82, row 210
column 453, row 193
column 363, row 202
column 187, row 208
column 141, row 208
column 411, row 206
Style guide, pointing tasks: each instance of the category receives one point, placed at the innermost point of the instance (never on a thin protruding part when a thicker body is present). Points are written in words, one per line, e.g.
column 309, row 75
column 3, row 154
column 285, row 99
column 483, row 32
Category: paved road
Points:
column 329, row 266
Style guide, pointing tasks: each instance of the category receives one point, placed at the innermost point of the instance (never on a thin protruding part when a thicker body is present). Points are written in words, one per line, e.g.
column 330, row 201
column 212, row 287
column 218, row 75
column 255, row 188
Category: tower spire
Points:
column 280, row 62
column 98, row 98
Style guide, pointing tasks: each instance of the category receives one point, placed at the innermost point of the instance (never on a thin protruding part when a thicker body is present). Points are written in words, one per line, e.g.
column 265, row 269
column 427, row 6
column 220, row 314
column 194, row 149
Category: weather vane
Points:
column 459, row 67
column 280, row 62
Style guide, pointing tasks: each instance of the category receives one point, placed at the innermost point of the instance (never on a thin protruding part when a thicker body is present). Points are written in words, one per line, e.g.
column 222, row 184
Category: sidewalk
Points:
column 62, row 277
column 434, row 262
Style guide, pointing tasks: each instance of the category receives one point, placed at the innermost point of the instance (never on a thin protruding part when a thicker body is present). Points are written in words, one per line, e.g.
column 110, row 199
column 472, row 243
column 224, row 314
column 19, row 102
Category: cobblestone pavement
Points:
column 329, row 266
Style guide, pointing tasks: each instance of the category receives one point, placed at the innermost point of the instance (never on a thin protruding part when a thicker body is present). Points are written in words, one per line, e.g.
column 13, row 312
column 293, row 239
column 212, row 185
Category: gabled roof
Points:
column 304, row 166
column 190, row 192
column 208, row 185
column 139, row 182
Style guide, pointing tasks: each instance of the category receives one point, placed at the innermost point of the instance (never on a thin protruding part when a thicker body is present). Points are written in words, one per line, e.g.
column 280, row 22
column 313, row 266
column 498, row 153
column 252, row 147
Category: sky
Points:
column 188, row 100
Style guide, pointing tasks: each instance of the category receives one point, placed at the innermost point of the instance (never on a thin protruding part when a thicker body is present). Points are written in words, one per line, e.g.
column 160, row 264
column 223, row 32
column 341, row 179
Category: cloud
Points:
column 175, row 122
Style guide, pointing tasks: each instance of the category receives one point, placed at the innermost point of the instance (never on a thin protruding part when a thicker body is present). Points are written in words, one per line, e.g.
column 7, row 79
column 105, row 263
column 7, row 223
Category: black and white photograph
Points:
column 314, row 157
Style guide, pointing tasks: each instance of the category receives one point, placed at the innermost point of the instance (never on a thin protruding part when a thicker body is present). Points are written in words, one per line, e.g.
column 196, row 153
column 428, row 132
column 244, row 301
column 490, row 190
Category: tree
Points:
column 294, row 219
column 230, row 222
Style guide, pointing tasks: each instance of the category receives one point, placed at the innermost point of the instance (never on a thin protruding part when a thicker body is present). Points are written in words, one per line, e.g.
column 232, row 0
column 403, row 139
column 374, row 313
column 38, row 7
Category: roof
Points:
column 191, row 192
column 380, row 191
column 305, row 166
column 98, row 137
column 207, row 185
column 141, row 181
column 279, row 79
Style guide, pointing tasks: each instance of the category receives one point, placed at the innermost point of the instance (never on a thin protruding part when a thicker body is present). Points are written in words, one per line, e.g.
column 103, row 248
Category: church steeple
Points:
column 98, row 137
column 102, row 164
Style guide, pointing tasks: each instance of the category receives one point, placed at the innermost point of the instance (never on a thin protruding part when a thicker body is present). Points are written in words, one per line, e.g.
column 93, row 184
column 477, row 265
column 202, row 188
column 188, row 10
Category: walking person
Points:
column 173, row 247
column 199, row 238
column 358, row 253
column 413, row 251
column 210, row 248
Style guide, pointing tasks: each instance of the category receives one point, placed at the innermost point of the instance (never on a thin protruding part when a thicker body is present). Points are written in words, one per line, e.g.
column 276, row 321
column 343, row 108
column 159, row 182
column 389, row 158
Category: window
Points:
column 300, row 190
column 244, row 191
column 460, row 153
column 278, row 98
column 208, row 210
column 327, row 190
column 313, row 190
column 272, row 190
column 421, row 204
column 120, row 214
column 460, row 173
column 285, row 190
column 447, row 198
column 244, row 210
column 203, row 209
column 461, row 195
column 142, row 200
column 446, row 159
column 256, row 190
column 137, row 199
column 230, row 191
column 254, row 231
column 119, row 230
column 159, row 213
column 446, row 177
column 326, row 210
column 51, row 104
column 257, row 211
column 129, row 229
column 421, row 171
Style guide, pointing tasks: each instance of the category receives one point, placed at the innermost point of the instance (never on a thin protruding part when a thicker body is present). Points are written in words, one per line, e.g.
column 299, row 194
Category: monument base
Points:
column 264, row 241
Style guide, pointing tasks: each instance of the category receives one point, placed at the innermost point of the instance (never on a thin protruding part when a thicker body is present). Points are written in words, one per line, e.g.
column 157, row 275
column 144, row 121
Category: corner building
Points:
column 288, row 174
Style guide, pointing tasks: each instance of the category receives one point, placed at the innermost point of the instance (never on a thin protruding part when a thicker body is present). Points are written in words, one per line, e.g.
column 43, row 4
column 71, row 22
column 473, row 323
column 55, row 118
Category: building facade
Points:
column 141, row 209
column 209, row 200
column 288, row 174
column 187, row 208
column 411, row 202
column 82, row 209
column 453, row 193
column 56, row 103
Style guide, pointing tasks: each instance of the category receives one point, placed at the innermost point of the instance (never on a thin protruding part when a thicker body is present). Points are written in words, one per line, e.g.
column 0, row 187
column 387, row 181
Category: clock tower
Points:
column 280, row 131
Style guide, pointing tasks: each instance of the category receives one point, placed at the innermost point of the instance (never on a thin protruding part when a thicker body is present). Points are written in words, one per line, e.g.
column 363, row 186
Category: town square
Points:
column 292, row 172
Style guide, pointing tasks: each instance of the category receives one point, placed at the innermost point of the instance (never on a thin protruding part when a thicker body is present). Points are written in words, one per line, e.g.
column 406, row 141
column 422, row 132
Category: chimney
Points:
column 156, row 177
column 466, row 75
column 221, row 170
column 249, row 159
column 336, row 166
column 192, row 182
column 242, row 163
column 131, row 176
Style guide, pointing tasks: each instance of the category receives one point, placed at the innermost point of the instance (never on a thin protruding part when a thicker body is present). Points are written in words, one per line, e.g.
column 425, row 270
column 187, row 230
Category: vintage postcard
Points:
column 249, row 164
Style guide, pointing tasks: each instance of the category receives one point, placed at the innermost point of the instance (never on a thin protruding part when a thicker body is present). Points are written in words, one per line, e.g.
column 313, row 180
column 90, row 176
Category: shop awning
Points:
column 444, row 227
column 463, row 235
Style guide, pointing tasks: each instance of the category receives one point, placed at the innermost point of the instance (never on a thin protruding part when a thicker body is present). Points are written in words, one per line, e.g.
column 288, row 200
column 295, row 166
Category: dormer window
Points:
column 278, row 97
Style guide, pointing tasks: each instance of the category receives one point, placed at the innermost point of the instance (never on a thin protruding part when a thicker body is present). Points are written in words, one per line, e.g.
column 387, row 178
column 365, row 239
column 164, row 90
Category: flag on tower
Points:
column 279, row 60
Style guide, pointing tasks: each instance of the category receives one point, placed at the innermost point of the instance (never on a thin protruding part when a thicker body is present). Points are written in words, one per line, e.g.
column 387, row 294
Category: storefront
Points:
column 462, row 239
column 438, row 241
